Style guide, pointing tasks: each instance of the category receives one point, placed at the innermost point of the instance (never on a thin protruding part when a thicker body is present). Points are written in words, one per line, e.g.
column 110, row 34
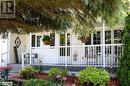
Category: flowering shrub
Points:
column 57, row 75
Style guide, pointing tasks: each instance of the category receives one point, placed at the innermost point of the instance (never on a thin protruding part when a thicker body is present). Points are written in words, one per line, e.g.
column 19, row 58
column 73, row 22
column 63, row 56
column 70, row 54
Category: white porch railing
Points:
column 79, row 55
column 90, row 55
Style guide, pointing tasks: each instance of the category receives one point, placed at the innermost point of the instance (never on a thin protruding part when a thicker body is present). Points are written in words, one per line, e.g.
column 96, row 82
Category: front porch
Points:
column 79, row 55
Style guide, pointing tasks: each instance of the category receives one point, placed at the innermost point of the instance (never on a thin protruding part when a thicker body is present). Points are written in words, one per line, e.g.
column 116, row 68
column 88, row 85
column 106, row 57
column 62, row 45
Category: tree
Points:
column 124, row 64
column 62, row 14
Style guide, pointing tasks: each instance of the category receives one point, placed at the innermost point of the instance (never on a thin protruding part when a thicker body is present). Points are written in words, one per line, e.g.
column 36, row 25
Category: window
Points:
column 97, row 38
column 35, row 41
column 38, row 41
column 68, row 39
column 108, row 37
column 68, row 44
column 118, row 36
column 62, row 39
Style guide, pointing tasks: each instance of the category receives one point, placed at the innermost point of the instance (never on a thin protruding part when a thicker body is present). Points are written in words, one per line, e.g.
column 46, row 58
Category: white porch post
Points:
column 103, row 43
column 66, row 50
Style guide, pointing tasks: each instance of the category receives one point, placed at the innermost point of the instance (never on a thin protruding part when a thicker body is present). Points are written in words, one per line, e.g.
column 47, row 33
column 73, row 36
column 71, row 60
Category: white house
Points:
column 102, row 49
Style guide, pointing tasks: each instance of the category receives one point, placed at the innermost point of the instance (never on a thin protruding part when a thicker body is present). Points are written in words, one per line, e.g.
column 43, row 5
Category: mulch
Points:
column 70, row 80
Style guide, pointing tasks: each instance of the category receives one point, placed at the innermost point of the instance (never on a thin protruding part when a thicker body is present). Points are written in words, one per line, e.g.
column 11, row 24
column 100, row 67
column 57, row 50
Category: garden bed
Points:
column 70, row 80
column 59, row 77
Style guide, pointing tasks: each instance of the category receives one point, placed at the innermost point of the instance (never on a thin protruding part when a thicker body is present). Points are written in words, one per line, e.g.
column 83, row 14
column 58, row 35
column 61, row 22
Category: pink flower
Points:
column 64, row 78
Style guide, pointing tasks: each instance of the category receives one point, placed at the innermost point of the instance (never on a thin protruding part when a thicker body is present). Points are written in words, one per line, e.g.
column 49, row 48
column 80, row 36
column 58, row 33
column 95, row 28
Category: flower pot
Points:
column 46, row 42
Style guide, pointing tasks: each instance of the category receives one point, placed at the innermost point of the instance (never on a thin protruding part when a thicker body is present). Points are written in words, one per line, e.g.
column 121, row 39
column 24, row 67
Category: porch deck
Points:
column 75, row 56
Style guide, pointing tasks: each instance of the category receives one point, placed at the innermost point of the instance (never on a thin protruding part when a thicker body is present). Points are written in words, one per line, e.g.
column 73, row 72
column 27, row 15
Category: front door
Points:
column 64, row 50
column 65, row 41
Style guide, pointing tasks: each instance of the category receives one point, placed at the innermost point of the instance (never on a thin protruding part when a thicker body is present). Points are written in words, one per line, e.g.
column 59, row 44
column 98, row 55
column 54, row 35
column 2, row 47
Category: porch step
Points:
column 16, row 68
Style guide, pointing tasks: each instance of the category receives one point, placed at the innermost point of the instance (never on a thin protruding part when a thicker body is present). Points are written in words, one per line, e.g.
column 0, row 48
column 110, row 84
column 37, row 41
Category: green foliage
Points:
column 124, row 62
column 53, row 72
column 46, row 38
column 94, row 75
column 28, row 72
column 84, row 30
column 36, row 82
column 56, row 15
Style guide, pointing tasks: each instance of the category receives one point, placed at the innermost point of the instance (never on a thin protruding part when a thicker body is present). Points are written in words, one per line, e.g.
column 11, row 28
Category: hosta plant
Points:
column 94, row 75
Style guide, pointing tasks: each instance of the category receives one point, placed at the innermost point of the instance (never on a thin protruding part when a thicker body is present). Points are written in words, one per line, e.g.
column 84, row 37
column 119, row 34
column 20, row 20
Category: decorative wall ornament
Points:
column 17, row 42
column 75, row 55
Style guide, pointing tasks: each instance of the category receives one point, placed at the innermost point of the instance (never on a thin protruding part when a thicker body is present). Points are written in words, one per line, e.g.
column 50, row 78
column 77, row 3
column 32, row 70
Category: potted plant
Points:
column 91, row 76
column 46, row 39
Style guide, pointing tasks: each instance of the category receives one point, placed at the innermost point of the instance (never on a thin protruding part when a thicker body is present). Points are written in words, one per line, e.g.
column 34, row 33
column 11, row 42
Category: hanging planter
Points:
column 46, row 42
column 46, row 39
column 83, row 40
